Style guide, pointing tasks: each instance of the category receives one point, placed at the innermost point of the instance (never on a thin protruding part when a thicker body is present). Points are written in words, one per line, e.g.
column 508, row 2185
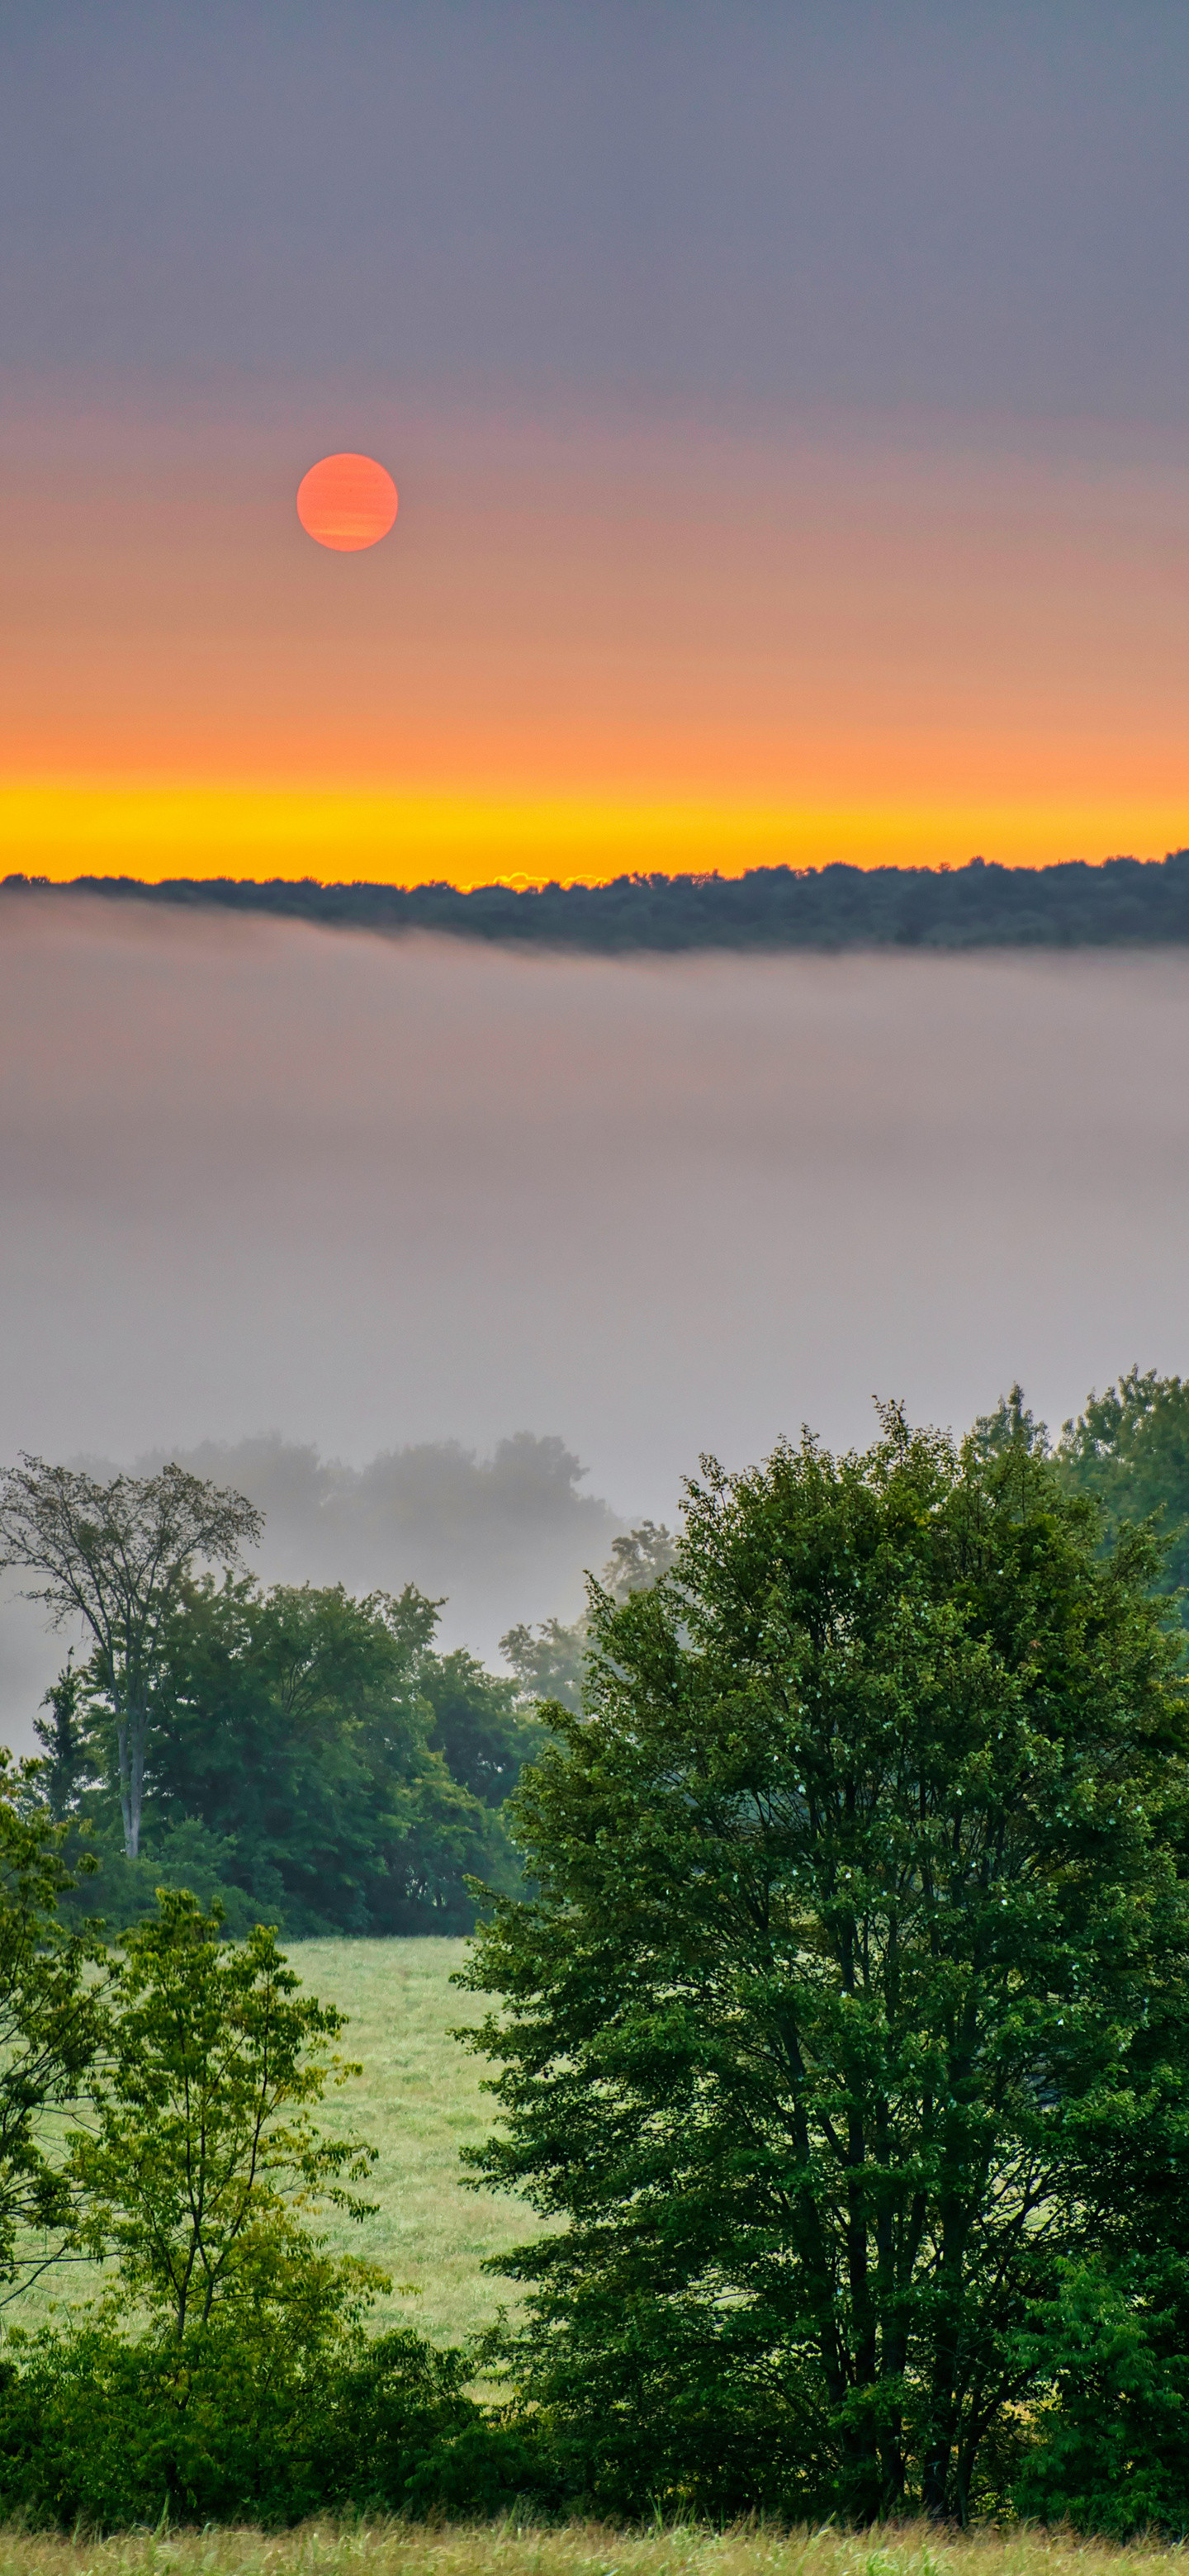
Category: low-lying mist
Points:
column 473, row 1217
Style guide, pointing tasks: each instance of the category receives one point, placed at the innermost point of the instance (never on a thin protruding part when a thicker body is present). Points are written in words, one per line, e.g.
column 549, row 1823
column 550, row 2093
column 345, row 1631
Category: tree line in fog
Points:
column 1074, row 903
column 312, row 1757
column 291, row 1752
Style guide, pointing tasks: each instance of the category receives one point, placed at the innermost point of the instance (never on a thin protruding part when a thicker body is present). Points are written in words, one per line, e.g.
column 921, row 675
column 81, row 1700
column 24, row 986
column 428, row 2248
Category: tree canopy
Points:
column 114, row 1557
column 849, row 2010
column 313, row 1762
column 1129, row 1450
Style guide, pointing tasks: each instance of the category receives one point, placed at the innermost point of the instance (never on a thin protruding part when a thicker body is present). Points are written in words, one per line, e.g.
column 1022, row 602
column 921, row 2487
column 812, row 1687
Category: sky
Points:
column 789, row 406
column 328, row 1192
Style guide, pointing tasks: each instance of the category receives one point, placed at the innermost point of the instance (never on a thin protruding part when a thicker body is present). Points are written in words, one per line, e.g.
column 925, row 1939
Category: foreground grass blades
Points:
column 506, row 2548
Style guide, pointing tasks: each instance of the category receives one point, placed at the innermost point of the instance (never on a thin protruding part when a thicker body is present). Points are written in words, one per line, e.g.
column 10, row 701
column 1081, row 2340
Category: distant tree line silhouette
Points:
column 1122, row 902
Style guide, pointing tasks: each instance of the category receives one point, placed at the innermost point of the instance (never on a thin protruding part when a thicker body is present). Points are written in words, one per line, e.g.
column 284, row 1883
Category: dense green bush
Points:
column 1110, row 2448
column 248, row 2419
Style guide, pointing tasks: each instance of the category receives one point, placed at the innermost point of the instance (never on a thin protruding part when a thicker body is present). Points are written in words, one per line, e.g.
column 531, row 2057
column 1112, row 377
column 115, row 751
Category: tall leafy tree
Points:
column 61, row 1733
column 832, row 2022
column 483, row 1737
column 114, row 1558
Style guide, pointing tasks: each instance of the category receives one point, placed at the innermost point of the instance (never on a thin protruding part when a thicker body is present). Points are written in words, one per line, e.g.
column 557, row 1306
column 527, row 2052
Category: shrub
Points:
column 248, row 2419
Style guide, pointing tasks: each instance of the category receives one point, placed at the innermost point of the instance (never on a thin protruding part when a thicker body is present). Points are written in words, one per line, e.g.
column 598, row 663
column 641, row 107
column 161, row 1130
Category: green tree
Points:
column 61, row 1736
column 547, row 1662
column 1129, row 1451
column 315, row 1764
column 226, row 2372
column 202, row 2160
column 859, row 1900
column 49, row 2027
column 115, row 1557
column 483, row 1737
column 638, row 1558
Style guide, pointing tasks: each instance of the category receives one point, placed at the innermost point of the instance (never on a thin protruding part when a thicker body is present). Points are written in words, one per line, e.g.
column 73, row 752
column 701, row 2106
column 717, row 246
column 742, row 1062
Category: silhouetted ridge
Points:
column 1123, row 902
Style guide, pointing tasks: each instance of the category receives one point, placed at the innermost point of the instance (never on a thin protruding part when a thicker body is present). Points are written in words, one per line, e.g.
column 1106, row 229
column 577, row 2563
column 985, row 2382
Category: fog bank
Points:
column 390, row 1195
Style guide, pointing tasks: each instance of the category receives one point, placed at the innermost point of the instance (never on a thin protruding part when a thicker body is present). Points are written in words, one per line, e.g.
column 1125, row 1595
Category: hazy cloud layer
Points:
column 385, row 1196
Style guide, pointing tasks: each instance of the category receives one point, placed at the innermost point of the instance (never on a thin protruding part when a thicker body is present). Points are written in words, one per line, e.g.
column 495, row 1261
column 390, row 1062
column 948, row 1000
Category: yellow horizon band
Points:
column 155, row 831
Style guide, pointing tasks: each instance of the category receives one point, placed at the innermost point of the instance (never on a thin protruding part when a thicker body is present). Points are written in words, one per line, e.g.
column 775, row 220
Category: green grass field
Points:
column 418, row 2100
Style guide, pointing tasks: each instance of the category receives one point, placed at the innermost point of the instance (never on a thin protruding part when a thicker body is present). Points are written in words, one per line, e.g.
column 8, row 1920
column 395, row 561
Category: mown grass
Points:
column 578, row 2549
column 418, row 2100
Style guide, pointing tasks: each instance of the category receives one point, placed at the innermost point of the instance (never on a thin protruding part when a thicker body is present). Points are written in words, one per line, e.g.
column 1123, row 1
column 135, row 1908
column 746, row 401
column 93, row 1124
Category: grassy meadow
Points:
column 418, row 2100
column 577, row 2549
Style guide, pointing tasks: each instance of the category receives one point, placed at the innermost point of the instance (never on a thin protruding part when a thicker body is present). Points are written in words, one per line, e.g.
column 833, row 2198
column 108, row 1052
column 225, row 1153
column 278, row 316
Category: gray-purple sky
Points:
column 932, row 206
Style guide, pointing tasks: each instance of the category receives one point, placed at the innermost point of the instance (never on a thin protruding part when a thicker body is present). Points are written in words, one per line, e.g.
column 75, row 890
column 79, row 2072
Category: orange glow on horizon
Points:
column 593, row 654
column 61, row 832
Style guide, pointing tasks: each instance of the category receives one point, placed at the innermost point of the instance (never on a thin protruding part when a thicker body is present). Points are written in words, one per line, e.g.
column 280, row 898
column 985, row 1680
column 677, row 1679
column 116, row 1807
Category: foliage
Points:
column 201, row 2157
column 1119, row 902
column 1129, row 1451
column 261, row 2417
column 226, row 2371
column 418, row 2099
column 638, row 1558
column 855, row 1972
column 49, row 2025
column 186, row 1855
column 547, row 1663
column 65, row 1764
column 115, row 1557
column 1110, row 2452
column 315, row 1764
column 481, row 1735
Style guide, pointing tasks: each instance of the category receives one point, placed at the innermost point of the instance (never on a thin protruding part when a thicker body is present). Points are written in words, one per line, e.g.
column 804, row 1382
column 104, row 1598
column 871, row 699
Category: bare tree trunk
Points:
column 132, row 1727
column 131, row 1838
column 138, row 1731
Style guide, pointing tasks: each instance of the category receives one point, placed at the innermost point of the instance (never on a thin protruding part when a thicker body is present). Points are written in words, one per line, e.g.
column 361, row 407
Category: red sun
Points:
column 346, row 502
